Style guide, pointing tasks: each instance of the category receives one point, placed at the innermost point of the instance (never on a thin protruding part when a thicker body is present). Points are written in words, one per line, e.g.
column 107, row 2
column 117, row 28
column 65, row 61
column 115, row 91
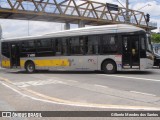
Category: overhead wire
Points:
column 120, row 3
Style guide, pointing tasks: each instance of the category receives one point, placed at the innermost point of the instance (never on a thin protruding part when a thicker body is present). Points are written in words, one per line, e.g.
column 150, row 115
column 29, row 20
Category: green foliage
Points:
column 155, row 38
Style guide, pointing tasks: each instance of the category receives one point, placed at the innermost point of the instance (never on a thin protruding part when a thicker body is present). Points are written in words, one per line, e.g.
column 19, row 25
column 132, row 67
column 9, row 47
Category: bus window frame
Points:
column 116, row 43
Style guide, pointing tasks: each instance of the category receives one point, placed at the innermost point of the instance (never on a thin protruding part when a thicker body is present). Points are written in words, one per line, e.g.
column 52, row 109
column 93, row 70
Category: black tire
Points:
column 109, row 67
column 30, row 67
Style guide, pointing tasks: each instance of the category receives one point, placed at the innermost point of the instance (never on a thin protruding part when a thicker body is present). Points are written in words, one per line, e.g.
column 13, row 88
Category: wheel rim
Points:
column 109, row 66
column 30, row 68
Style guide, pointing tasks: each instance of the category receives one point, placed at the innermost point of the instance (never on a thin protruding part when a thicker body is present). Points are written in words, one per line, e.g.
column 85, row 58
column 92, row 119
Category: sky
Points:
column 19, row 28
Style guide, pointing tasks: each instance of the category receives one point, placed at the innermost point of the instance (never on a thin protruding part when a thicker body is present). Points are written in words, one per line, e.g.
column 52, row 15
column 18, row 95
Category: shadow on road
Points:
column 135, row 72
column 82, row 72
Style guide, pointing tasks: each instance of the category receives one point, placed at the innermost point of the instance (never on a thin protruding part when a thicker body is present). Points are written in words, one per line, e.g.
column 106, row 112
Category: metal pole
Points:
column 127, row 15
column 28, row 20
column 0, row 32
column 67, row 26
column 28, row 27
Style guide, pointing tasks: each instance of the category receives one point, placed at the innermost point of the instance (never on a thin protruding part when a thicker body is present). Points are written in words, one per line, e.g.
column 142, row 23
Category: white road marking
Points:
column 100, row 86
column 85, row 104
column 71, row 80
column 13, row 89
column 38, row 82
column 43, row 82
column 119, row 76
column 142, row 93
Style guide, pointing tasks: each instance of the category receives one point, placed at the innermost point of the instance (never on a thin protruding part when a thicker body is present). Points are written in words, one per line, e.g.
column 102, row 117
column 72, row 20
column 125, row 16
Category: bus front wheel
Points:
column 30, row 67
column 109, row 67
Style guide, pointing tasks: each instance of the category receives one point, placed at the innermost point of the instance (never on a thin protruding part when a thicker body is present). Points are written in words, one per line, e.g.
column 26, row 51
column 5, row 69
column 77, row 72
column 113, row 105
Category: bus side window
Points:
column 58, row 45
column 112, row 40
column 5, row 49
column 64, row 46
column 81, row 45
column 92, row 46
column 109, row 44
column 143, row 47
column 76, row 45
column 27, row 46
column 44, row 47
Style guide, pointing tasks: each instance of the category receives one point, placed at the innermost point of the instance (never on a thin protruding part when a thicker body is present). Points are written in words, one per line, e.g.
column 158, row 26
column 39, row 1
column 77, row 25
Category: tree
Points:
column 155, row 38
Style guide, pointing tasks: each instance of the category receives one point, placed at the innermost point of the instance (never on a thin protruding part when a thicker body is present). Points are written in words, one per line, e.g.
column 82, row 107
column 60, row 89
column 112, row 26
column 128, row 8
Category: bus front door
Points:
column 131, row 55
column 14, row 55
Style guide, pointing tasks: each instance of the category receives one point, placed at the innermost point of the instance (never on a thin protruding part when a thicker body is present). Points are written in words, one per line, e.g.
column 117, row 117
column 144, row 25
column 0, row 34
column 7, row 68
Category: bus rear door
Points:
column 131, row 54
column 14, row 55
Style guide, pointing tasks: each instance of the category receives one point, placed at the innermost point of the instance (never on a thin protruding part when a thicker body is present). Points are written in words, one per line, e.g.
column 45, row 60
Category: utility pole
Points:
column 127, row 20
column 0, row 32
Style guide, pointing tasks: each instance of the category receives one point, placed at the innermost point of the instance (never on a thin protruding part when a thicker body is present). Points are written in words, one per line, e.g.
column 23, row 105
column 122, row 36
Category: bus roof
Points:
column 117, row 28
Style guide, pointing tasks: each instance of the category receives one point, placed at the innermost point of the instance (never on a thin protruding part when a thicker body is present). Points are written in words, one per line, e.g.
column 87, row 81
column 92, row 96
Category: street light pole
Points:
column 0, row 32
column 127, row 15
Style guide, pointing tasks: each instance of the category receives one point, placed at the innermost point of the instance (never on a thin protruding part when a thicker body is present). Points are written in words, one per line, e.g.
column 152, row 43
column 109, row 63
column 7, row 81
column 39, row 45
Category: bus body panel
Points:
column 146, row 63
column 72, row 62
column 5, row 62
column 80, row 62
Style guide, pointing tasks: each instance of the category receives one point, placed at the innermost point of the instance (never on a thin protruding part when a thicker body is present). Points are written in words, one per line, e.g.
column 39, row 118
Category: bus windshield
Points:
column 148, row 42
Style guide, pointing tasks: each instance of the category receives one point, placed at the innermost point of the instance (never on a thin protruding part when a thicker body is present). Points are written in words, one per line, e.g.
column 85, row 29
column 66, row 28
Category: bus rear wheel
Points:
column 30, row 67
column 109, row 67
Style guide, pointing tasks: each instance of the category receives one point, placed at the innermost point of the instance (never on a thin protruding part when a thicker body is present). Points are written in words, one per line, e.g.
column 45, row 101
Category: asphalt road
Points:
column 79, row 91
